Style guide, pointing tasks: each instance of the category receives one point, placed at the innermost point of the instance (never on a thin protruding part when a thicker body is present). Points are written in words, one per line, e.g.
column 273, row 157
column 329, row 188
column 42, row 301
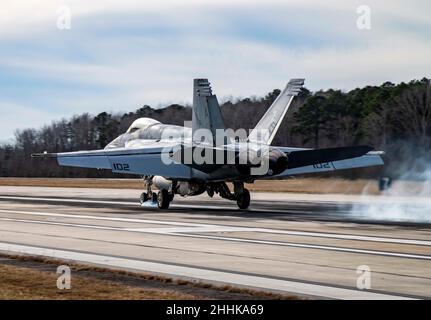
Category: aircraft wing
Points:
column 369, row 159
column 299, row 160
column 145, row 160
column 302, row 158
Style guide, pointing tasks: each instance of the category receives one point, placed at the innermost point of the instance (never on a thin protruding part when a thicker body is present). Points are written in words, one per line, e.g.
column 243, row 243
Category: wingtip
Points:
column 44, row 155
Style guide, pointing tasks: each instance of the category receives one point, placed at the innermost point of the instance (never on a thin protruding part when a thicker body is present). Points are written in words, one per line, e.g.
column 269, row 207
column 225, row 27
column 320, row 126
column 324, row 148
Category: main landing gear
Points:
column 241, row 195
column 163, row 198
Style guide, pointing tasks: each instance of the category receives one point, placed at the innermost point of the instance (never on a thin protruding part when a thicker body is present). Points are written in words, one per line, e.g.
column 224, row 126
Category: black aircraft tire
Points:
column 243, row 199
column 143, row 198
column 163, row 199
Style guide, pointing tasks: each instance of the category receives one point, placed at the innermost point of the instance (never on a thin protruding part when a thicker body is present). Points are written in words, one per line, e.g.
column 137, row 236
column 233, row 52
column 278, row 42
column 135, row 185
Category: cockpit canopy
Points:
column 142, row 124
column 146, row 130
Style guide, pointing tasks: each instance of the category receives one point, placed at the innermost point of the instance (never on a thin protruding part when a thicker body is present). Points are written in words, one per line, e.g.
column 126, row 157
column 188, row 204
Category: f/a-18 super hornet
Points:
column 190, row 160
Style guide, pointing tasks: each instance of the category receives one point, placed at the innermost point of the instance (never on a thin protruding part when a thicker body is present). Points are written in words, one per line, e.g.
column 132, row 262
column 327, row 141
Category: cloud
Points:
column 121, row 55
column 20, row 117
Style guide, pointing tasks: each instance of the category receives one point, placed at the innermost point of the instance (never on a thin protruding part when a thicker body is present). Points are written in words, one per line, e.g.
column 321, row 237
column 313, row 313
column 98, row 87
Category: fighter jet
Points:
column 204, row 157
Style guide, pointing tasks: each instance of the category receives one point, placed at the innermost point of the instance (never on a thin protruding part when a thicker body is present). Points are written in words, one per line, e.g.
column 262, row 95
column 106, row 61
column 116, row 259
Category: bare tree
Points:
column 411, row 114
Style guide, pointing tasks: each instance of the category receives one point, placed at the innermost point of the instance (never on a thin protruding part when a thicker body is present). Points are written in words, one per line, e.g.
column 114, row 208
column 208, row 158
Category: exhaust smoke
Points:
column 408, row 200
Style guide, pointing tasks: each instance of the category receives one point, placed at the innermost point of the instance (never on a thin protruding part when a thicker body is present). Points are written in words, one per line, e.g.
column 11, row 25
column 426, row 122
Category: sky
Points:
column 120, row 55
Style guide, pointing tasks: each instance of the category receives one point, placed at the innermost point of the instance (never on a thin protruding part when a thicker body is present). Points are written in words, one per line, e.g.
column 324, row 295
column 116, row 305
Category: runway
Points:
column 309, row 245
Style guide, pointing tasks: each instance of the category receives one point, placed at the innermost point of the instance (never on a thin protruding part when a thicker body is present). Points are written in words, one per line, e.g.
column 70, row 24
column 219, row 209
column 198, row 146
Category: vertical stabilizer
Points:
column 265, row 130
column 206, row 110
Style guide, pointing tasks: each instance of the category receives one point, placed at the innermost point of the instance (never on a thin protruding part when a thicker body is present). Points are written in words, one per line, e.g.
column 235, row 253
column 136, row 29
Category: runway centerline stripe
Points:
column 165, row 231
column 245, row 229
column 202, row 274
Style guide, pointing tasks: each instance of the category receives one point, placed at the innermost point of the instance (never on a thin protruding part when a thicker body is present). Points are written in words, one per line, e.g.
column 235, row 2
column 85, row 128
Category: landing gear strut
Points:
column 149, row 195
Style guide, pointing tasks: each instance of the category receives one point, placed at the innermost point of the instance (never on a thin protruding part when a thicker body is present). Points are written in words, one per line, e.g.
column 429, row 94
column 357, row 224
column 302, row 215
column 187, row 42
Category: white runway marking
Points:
column 143, row 230
column 202, row 274
column 312, row 246
column 68, row 200
column 180, row 232
column 245, row 229
column 80, row 216
column 174, row 205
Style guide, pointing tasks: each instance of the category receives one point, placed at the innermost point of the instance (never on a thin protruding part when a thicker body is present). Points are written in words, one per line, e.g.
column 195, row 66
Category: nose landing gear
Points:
column 162, row 199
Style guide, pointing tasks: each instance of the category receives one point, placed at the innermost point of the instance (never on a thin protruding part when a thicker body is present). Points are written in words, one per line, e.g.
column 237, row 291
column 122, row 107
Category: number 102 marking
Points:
column 121, row 166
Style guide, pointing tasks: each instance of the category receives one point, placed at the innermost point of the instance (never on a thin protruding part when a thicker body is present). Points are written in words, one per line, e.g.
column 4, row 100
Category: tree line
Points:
column 392, row 117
